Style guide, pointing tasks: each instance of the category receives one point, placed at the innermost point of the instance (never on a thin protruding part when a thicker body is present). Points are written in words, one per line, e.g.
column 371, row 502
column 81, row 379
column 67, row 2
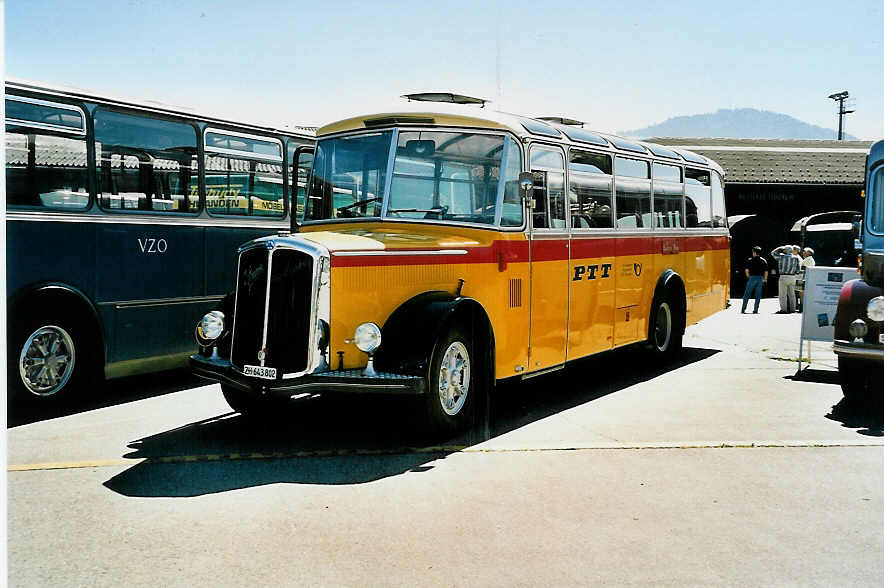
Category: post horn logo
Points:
column 262, row 354
column 637, row 268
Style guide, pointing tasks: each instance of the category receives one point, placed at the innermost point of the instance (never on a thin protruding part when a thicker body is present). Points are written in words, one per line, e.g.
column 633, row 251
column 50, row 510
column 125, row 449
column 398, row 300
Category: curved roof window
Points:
column 536, row 127
column 691, row 156
column 661, row 151
column 626, row 145
column 584, row 136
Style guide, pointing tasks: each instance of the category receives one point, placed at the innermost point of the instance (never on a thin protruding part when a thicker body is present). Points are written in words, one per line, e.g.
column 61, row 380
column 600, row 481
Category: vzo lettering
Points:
column 151, row 245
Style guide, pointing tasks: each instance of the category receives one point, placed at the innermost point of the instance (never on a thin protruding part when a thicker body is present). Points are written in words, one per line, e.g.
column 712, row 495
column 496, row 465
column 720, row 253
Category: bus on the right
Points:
column 859, row 321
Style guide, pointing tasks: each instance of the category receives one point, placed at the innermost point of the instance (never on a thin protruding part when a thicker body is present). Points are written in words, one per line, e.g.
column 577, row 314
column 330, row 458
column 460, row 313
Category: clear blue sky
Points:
column 618, row 65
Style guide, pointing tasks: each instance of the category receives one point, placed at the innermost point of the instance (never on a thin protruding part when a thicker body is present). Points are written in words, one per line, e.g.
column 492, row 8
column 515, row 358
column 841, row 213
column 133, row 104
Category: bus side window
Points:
column 633, row 188
column 719, row 216
column 46, row 166
column 549, row 188
column 145, row 163
column 243, row 174
column 697, row 197
column 668, row 189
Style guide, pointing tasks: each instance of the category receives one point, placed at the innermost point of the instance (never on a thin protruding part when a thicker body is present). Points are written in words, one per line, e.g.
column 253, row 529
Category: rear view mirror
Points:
column 419, row 148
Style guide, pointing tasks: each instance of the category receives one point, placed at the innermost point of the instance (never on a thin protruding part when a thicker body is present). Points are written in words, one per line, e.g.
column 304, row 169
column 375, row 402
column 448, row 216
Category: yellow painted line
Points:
column 439, row 449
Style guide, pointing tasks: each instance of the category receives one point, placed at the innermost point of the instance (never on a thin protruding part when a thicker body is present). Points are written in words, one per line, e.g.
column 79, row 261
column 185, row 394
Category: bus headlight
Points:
column 875, row 309
column 210, row 327
column 858, row 329
column 367, row 337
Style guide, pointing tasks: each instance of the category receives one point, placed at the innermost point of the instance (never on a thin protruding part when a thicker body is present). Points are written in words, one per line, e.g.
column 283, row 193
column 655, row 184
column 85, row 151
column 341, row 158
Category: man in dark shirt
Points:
column 756, row 271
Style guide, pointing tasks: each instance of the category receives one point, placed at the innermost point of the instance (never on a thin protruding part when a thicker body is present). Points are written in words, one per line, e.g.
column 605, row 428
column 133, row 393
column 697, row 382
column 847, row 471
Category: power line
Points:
column 843, row 109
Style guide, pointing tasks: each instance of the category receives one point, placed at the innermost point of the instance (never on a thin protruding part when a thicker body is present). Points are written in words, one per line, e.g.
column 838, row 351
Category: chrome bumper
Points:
column 335, row 381
column 859, row 350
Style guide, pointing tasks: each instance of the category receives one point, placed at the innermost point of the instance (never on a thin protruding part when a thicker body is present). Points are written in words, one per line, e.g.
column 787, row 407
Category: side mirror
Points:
column 526, row 186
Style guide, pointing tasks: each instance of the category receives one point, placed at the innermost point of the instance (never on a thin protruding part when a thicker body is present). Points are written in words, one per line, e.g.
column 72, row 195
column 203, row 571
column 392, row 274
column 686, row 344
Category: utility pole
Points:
column 843, row 109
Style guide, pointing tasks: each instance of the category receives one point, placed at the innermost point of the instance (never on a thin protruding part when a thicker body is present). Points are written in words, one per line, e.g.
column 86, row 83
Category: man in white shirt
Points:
column 808, row 261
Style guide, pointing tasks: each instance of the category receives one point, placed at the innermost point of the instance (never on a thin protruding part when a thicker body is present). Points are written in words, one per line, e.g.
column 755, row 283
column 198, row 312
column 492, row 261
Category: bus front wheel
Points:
column 51, row 359
column 859, row 379
column 451, row 383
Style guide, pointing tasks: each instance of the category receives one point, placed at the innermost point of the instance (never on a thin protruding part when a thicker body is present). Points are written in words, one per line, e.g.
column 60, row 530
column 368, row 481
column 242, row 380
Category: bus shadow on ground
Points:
column 866, row 416
column 358, row 440
column 105, row 394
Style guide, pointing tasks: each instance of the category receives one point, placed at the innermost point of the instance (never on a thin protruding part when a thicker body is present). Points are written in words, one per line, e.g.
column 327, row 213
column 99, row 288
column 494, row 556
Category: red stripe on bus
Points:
column 504, row 252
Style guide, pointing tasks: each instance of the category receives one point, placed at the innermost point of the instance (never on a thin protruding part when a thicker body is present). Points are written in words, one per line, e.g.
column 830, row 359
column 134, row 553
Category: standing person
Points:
column 788, row 264
column 807, row 262
column 756, row 271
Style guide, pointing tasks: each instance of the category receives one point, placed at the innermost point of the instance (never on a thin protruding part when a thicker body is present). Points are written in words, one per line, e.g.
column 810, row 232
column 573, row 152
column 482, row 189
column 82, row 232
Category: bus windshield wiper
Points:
column 437, row 210
column 359, row 203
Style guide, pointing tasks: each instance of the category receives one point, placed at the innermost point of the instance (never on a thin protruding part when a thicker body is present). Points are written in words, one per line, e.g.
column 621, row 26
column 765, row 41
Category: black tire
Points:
column 251, row 404
column 448, row 403
column 859, row 380
column 54, row 360
column 665, row 330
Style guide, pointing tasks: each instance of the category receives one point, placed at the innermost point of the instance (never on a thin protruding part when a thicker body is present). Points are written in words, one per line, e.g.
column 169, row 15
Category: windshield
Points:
column 876, row 204
column 436, row 175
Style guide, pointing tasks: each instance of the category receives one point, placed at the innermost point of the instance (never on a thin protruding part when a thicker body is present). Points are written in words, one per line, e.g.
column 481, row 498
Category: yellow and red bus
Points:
column 443, row 249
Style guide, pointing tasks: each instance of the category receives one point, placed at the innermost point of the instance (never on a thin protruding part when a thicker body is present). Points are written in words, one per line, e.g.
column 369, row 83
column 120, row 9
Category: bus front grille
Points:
column 289, row 316
column 291, row 308
column 251, row 294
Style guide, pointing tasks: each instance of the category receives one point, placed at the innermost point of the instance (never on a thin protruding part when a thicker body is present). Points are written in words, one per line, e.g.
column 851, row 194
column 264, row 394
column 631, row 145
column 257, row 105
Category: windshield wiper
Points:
column 359, row 203
column 437, row 210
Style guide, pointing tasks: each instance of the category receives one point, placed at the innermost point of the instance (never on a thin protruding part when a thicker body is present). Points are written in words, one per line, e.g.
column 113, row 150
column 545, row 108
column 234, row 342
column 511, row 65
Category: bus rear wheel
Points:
column 664, row 336
column 52, row 359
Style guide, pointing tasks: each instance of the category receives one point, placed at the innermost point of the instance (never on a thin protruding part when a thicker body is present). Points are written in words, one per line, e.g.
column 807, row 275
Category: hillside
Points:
column 741, row 123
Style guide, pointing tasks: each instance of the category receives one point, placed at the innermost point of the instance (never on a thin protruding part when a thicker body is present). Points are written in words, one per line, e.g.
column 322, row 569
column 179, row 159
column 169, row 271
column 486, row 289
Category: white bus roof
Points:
column 444, row 114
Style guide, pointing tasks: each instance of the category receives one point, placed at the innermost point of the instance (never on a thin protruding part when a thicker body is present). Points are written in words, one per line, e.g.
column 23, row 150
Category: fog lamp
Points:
column 875, row 309
column 367, row 337
column 858, row 329
column 210, row 327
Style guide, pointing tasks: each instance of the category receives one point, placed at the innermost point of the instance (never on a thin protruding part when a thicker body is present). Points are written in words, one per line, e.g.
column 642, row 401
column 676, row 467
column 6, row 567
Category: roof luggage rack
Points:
column 445, row 97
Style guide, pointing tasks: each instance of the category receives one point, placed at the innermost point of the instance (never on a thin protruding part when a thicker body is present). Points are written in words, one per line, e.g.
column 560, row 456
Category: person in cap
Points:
column 788, row 264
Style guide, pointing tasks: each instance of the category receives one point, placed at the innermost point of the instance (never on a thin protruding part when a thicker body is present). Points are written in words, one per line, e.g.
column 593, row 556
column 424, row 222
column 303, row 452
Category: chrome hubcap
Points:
column 47, row 360
column 663, row 327
column 454, row 378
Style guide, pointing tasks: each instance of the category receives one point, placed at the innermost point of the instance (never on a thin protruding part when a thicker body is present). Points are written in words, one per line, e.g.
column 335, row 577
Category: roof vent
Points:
column 562, row 120
column 445, row 97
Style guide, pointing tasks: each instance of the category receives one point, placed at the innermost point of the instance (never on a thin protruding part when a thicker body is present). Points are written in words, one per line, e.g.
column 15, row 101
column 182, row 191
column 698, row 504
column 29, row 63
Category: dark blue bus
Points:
column 123, row 221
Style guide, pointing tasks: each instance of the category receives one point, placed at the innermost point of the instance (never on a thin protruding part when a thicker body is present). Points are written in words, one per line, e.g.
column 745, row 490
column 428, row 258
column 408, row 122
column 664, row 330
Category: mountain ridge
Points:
column 737, row 123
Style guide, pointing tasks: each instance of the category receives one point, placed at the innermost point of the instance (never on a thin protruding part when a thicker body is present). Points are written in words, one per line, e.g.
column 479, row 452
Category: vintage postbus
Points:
column 859, row 319
column 122, row 225
column 444, row 248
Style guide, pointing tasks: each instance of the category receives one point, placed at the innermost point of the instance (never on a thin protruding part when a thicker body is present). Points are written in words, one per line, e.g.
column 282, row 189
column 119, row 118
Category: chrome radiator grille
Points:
column 289, row 314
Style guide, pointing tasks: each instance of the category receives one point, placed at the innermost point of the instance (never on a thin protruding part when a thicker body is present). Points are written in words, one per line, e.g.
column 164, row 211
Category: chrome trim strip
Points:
column 235, row 299
column 161, row 301
column 398, row 252
column 27, row 123
column 134, row 218
column 854, row 350
column 266, row 301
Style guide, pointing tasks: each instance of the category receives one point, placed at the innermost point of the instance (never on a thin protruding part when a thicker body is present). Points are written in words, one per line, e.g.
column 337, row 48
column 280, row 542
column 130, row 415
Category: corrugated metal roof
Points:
column 773, row 161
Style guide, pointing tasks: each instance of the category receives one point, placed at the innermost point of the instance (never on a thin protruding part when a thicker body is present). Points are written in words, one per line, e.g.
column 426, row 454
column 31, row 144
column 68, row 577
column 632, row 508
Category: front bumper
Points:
column 336, row 381
column 849, row 349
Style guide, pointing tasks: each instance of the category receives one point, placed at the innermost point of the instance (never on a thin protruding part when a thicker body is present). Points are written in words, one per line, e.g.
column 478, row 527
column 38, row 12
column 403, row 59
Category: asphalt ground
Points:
column 727, row 468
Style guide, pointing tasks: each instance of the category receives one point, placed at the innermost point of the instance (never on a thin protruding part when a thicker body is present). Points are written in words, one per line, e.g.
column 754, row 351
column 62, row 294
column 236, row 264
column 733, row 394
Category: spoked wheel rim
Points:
column 46, row 361
column 663, row 327
column 454, row 378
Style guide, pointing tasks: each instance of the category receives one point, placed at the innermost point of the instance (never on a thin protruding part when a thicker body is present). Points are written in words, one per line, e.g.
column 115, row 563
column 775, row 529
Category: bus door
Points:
column 549, row 260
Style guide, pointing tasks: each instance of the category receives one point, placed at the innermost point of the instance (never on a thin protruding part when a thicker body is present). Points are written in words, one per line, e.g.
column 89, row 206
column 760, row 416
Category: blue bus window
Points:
column 45, row 171
column 145, row 163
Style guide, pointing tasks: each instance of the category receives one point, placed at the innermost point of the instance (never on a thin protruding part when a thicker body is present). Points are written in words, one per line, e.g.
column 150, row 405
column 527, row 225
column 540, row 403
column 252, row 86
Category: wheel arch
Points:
column 57, row 294
column 410, row 333
column 671, row 285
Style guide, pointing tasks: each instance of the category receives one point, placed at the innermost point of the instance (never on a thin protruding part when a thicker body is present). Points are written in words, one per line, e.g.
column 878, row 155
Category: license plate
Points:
column 268, row 373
